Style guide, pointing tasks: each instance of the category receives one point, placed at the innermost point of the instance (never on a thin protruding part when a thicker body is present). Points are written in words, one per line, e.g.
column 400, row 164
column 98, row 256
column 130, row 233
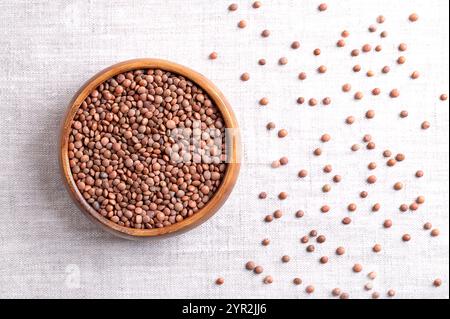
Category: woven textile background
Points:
column 49, row 48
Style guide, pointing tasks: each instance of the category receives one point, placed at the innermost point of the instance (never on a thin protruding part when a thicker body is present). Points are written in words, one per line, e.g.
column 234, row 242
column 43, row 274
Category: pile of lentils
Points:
column 146, row 149
column 312, row 240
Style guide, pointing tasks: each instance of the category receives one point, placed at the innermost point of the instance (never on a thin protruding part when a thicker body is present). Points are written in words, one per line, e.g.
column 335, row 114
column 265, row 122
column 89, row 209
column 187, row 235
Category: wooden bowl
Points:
column 233, row 149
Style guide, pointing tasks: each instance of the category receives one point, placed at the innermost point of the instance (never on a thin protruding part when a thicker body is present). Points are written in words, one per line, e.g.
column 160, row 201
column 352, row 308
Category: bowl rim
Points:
column 233, row 151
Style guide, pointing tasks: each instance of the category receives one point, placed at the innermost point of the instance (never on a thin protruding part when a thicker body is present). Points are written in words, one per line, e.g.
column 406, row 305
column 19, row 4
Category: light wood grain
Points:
column 233, row 151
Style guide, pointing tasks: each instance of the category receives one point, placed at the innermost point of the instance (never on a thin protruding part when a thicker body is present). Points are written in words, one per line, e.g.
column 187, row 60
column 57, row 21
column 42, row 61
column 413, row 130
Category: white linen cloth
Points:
column 48, row 49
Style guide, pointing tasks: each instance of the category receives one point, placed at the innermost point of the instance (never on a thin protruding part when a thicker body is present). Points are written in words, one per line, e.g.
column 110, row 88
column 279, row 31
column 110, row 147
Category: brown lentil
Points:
column 355, row 147
column 213, row 55
column 258, row 270
column 283, row 61
column 270, row 125
column 242, row 24
column 262, row 195
column 340, row 251
column 325, row 137
column 264, row 101
column 233, row 7
column 366, row 48
column 323, row 259
column 295, row 45
column 313, row 233
column 391, row 293
column 406, row 237
column 356, row 68
column 401, row 60
column 376, row 207
column 327, row 168
column 268, row 280
column 415, row 75
column 285, row 258
column 284, row 160
column 435, row 232
column 346, row 87
column 321, row 239
column 376, row 248
column 376, row 91
column 256, row 4
column 420, row 200
column 337, row 178
column 350, row 120
column 336, row 292
column 262, row 61
column 220, row 281
column 398, row 186
column 317, row 152
column 299, row 214
column 265, row 242
column 340, row 43
column 124, row 171
column 245, row 76
column 391, row 162
column 297, row 281
column 363, row 194
column 316, row 52
column 312, row 102
column 309, row 289
column 425, row 125
column 300, row 100
column 402, row 47
column 250, row 265
column 437, row 282
column 400, row 157
column 394, row 93
column 310, row 248
column 419, row 174
column 325, row 209
column 302, row 173
column 282, row 133
column 278, row 214
column 413, row 17
column 359, row 95
column 346, row 220
column 323, row 7
column 370, row 114
column 443, row 97
column 387, row 223
column 357, row 268
column 427, row 226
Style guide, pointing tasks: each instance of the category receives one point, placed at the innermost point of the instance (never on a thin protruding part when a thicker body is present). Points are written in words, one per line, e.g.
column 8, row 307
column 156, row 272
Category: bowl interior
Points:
column 232, row 143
